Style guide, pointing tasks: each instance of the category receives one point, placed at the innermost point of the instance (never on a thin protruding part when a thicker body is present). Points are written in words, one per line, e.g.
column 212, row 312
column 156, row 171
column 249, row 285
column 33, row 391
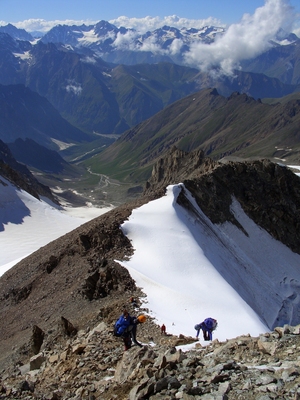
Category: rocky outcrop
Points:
column 176, row 167
column 20, row 176
column 93, row 365
column 269, row 193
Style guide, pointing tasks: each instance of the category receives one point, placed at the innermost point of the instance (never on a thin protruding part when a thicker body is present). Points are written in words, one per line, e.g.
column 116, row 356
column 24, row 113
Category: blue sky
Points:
column 226, row 11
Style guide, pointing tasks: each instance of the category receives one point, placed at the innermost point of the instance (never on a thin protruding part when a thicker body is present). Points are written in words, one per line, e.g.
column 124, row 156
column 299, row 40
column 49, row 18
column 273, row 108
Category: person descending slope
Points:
column 133, row 302
column 126, row 327
column 207, row 326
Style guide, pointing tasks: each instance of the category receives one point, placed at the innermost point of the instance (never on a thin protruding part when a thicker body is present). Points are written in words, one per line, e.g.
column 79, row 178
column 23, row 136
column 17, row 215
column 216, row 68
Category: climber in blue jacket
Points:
column 207, row 326
column 126, row 327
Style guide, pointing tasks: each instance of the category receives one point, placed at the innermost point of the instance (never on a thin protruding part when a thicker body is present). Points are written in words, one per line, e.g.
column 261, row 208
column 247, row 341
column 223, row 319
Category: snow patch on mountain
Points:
column 24, row 56
column 88, row 38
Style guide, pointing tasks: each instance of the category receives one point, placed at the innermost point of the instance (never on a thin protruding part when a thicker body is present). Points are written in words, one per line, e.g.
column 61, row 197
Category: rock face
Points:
column 268, row 193
column 20, row 175
column 58, row 305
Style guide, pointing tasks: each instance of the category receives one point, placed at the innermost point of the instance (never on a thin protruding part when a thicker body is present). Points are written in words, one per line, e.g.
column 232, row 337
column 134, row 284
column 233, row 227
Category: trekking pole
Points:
column 189, row 314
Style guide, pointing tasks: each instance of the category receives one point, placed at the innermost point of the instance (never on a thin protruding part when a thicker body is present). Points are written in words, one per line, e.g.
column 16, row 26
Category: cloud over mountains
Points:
column 142, row 25
column 245, row 39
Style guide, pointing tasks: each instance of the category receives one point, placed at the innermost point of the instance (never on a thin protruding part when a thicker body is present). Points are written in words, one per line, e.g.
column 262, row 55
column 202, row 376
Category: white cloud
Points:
column 146, row 24
column 126, row 41
column 176, row 46
column 242, row 40
column 74, row 87
column 296, row 26
column 142, row 25
column 41, row 25
column 150, row 44
column 129, row 41
column 89, row 60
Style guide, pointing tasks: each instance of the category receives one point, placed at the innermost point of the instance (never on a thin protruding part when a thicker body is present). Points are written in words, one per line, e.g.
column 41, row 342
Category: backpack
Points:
column 121, row 325
column 211, row 323
column 116, row 330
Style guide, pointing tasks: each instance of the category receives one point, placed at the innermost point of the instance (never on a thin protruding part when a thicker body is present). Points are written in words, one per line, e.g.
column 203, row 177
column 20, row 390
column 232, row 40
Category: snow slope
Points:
column 26, row 224
column 191, row 269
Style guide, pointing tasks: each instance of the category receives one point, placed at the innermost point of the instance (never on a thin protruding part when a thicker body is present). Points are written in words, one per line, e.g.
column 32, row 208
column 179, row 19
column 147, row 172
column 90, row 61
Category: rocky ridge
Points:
column 60, row 303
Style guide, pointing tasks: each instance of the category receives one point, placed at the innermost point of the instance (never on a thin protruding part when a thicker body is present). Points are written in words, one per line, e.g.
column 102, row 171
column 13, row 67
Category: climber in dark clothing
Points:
column 207, row 326
column 130, row 334
column 133, row 302
column 126, row 327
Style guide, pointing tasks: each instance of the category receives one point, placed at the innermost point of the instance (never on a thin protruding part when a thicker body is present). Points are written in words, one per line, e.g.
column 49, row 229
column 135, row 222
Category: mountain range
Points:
column 73, row 69
column 222, row 127
column 118, row 44
column 76, row 91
